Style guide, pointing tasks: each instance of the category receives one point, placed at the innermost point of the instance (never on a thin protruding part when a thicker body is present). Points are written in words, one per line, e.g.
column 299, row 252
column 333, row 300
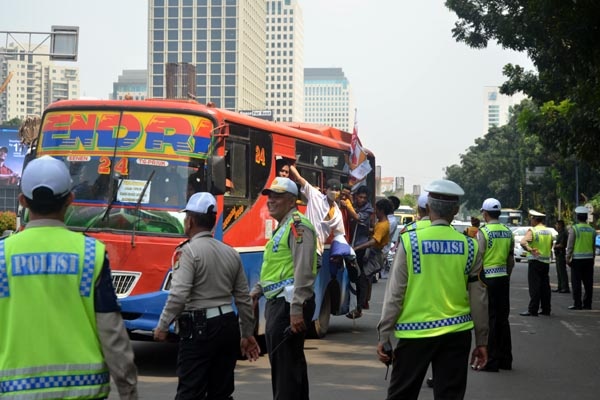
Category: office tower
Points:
column 132, row 82
column 328, row 98
column 496, row 107
column 285, row 60
column 223, row 39
column 33, row 82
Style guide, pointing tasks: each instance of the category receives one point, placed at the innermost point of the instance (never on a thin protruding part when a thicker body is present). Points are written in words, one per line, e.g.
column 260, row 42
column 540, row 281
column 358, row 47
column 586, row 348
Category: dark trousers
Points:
column 582, row 271
column 561, row 272
column 449, row 357
column 499, row 340
column 539, row 287
column 362, row 286
column 205, row 363
column 289, row 372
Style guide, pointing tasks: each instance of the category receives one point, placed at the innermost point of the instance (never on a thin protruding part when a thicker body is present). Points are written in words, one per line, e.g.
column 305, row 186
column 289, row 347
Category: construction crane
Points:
column 6, row 82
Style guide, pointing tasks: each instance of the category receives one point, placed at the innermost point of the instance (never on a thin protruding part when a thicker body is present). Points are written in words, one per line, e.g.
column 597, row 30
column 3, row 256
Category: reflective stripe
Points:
column 495, row 271
column 56, row 381
column 470, row 255
column 489, row 239
column 414, row 246
column 51, row 368
column 271, row 290
column 280, row 231
column 4, row 290
column 87, row 275
column 417, row 326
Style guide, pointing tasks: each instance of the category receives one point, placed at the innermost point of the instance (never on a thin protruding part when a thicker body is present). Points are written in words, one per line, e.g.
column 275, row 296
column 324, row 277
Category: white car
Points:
column 518, row 233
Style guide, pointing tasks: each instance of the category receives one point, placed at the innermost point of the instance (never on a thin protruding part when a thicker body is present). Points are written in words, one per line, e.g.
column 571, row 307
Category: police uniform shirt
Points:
column 206, row 275
column 571, row 242
column 396, row 289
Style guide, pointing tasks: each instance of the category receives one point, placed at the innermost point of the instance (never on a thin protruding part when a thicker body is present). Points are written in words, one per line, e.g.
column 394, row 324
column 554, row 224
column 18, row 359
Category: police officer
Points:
column 538, row 242
column 206, row 274
column 286, row 280
column 61, row 330
column 498, row 262
column 580, row 257
column 432, row 302
column 423, row 220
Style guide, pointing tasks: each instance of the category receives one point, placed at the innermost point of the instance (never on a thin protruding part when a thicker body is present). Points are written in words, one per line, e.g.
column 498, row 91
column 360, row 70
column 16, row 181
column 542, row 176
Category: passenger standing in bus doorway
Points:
column 322, row 210
column 62, row 331
column 498, row 263
column 360, row 225
column 206, row 274
column 378, row 240
column 287, row 277
column 432, row 302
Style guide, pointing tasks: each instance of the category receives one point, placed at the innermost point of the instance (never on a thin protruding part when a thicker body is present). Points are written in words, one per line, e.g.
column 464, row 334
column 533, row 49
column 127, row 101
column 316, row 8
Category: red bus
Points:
column 134, row 164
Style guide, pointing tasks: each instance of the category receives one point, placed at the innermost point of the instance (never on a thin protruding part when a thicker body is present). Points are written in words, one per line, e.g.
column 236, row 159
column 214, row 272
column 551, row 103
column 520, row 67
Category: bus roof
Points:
column 319, row 134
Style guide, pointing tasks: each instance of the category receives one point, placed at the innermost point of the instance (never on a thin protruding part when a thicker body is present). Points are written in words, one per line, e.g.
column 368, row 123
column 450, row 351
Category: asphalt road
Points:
column 555, row 357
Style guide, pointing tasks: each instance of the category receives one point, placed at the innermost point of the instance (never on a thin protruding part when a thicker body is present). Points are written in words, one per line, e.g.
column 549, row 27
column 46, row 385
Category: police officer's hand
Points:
column 250, row 348
column 297, row 323
column 479, row 358
column 160, row 335
column 383, row 354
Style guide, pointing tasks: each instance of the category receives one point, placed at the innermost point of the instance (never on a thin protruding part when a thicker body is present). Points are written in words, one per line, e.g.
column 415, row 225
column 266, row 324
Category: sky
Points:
column 419, row 94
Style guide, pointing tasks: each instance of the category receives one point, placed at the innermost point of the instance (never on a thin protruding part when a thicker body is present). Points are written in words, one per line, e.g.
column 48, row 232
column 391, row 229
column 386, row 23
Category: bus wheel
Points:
column 320, row 326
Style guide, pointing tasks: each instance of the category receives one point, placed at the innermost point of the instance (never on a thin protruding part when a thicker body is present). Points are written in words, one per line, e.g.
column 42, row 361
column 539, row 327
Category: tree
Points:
column 561, row 38
column 13, row 122
column 500, row 165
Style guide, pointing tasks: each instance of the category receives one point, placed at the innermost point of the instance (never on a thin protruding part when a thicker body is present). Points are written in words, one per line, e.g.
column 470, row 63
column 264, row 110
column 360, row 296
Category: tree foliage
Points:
column 561, row 38
column 13, row 122
column 501, row 165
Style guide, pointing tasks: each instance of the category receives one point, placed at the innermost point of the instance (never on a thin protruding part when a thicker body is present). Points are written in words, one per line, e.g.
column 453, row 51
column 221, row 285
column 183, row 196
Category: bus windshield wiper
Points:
column 109, row 206
column 138, row 205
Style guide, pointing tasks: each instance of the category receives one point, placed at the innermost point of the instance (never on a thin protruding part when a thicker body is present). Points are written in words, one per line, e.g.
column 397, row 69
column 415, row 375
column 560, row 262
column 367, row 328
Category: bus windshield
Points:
column 130, row 170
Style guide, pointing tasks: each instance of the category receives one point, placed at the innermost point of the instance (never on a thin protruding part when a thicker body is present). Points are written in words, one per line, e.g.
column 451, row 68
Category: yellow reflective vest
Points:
column 47, row 277
column 436, row 301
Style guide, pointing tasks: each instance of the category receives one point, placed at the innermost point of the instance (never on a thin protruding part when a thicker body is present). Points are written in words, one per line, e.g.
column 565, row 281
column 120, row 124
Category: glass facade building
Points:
column 223, row 39
column 328, row 98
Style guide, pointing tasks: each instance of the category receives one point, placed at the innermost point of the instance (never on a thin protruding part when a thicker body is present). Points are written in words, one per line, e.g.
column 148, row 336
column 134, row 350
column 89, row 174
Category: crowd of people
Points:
column 442, row 285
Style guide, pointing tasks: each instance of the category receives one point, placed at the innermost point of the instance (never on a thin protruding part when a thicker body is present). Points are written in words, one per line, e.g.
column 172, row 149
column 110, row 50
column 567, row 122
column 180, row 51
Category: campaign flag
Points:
column 359, row 164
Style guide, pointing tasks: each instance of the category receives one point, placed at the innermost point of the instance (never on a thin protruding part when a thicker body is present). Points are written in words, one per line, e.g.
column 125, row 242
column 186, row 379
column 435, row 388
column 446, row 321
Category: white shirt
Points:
column 317, row 208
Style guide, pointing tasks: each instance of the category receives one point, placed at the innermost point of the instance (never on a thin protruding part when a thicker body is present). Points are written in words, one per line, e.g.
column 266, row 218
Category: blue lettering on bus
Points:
column 45, row 264
column 443, row 247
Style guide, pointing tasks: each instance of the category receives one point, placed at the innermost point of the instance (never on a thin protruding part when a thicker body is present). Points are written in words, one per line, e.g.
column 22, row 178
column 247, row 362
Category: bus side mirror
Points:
column 216, row 175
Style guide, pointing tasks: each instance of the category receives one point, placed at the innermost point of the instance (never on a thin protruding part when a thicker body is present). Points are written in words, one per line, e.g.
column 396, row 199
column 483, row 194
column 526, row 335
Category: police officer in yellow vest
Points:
column 498, row 262
column 538, row 242
column 422, row 216
column 580, row 257
column 432, row 302
column 286, row 280
column 62, row 335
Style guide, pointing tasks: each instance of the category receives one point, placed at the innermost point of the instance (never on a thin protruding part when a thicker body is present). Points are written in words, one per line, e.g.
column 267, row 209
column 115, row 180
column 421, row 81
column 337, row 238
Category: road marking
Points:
column 572, row 328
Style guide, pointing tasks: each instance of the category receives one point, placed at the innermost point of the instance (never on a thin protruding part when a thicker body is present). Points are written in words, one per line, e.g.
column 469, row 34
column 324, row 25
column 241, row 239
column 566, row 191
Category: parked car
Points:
column 518, row 233
column 598, row 243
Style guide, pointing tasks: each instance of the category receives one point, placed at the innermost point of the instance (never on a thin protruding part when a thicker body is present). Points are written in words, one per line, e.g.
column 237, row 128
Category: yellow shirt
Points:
column 381, row 234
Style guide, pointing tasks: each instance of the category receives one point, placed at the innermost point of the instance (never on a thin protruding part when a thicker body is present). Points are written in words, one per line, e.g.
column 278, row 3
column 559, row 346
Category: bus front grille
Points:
column 124, row 282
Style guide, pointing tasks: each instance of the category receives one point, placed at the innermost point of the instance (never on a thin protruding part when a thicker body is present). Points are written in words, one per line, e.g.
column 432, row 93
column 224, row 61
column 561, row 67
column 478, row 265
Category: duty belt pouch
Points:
column 185, row 326
column 200, row 326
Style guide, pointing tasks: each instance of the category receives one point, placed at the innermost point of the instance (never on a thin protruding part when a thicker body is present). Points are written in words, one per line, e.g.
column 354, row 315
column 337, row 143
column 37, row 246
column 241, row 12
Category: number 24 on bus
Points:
column 134, row 164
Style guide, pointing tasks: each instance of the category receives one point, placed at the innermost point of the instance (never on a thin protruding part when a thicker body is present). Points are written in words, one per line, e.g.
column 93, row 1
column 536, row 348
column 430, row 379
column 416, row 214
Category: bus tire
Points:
column 320, row 326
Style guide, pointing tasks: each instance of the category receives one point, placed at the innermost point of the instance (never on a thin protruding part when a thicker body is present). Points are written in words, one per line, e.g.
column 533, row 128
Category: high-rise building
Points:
column 132, row 82
column 328, row 98
column 225, row 40
column 34, row 82
column 285, row 60
column 496, row 107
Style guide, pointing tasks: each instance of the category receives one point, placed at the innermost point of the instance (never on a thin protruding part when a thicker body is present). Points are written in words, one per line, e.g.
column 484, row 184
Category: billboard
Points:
column 11, row 160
